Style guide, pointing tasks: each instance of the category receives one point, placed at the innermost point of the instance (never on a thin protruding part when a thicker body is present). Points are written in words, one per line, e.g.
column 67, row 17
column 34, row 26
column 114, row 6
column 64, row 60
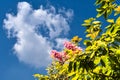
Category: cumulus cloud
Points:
column 37, row 32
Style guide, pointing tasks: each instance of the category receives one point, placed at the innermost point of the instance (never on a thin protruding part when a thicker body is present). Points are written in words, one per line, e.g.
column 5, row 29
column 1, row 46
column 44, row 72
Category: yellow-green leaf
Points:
column 71, row 74
column 118, row 21
column 110, row 20
column 118, row 51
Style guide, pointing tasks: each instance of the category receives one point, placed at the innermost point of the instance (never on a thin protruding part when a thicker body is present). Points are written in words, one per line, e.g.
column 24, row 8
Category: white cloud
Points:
column 37, row 31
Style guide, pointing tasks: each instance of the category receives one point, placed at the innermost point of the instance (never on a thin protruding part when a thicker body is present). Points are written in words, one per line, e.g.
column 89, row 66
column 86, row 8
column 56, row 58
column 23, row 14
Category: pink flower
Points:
column 56, row 55
column 64, row 56
column 69, row 45
column 61, row 56
column 73, row 47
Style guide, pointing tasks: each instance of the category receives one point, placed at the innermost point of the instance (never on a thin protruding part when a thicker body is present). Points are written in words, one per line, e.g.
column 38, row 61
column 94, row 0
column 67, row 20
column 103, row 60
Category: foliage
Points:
column 101, row 57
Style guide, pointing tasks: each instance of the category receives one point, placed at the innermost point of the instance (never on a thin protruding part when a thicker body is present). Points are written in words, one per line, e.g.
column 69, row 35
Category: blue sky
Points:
column 35, row 30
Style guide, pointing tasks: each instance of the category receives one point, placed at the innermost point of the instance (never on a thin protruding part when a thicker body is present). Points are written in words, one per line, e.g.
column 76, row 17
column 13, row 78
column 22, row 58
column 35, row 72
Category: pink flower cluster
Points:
column 71, row 46
column 61, row 56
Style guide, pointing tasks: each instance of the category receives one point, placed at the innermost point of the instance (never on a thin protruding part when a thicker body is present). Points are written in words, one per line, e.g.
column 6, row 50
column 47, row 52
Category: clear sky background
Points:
column 29, row 29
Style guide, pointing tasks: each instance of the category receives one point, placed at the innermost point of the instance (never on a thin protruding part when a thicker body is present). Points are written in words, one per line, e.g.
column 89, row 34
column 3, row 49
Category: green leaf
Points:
column 37, row 75
column 97, row 60
column 87, row 43
column 75, row 66
column 109, row 11
column 87, row 21
column 98, row 2
column 96, row 22
column 116, row 13
column 118, row 51
column 110, row 20
column 75, row 77
column 101, row 44
column 97, row 69
column 105, row 15
column 102, row 62
column 88, row 35
column 105, row 5
column 100, row 14
column 99, row 9
column 71, row 74
column 62, row 71
column 118, row 21
column 70, row 66
column 92, row 55
column 86, row 25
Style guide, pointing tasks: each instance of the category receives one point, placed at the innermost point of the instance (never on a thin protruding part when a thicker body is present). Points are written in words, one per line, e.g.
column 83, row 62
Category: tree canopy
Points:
column 101, row 57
